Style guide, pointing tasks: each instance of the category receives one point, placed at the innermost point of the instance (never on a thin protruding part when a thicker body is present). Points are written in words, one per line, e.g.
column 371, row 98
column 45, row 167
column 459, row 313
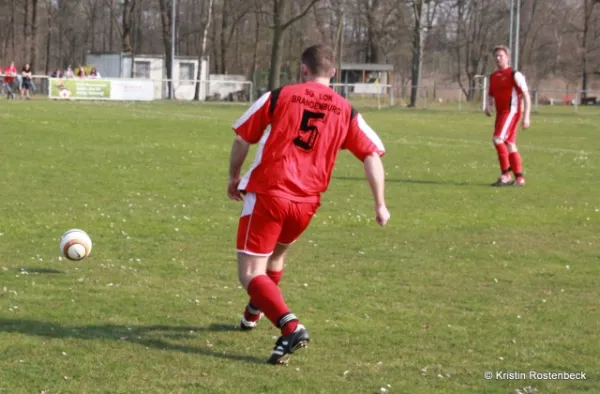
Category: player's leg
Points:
column 259, row 228
column 274, row 271
column 295, row 336
column 513, row 154
column 501, row 128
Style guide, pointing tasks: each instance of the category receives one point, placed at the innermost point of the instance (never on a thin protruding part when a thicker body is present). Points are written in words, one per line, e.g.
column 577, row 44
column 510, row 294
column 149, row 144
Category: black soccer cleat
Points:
column 288, row 344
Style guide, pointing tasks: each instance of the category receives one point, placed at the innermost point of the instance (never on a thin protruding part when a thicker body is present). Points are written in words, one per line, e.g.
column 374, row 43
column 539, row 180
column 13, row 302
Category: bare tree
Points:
column 476, row 27
column 423, row 15
column 34, row 27
column 127, row 21
column 202, row 54
column 166, row 16
column 280, row 8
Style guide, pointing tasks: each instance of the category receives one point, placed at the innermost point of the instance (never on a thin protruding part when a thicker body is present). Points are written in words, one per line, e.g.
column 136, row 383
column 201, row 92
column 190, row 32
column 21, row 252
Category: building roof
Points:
column 368, row 66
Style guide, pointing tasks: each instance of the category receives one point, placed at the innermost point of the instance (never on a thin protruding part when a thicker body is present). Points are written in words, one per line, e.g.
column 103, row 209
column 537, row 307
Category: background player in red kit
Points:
column 507, row 88
column 300, row 129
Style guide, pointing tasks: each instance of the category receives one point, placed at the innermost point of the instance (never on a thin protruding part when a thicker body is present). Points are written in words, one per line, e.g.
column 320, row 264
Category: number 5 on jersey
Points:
column 309, row 133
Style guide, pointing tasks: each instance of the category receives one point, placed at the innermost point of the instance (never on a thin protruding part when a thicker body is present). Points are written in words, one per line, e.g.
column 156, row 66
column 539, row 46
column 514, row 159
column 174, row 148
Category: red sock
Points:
column 275, row 276
column 515, row 163
column 267, row 297
column 252, row 313
column 503, row 157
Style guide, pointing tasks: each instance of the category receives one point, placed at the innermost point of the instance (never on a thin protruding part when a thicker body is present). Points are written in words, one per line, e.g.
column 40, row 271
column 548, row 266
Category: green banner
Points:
column 80, row 89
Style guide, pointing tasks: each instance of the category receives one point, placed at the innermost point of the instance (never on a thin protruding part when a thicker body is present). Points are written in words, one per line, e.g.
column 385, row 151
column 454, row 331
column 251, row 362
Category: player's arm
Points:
column 366, row 146
column 522, row 86
column 376, row 178
column 249, row 129
column 489, row 101
column 239, row 151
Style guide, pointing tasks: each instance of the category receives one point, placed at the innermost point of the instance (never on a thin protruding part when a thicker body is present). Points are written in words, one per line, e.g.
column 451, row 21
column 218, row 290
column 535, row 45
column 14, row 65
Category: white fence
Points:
column 455, row 99
column 235, row 90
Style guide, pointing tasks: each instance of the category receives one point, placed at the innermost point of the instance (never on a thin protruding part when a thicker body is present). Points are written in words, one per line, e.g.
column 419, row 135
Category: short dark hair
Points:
column 319, row 59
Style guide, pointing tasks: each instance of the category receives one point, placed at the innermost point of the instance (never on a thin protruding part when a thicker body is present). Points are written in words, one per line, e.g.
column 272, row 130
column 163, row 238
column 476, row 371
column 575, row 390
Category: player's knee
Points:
column 497, row 141
column 246, row 277
column 512, row 148
column 250, row 267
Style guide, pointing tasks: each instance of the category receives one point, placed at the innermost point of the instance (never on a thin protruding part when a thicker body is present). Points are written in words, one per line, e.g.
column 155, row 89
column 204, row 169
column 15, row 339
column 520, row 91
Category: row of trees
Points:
column 446, row 41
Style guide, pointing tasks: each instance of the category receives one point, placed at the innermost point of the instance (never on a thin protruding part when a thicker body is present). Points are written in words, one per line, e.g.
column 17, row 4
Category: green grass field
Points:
column 465, row 279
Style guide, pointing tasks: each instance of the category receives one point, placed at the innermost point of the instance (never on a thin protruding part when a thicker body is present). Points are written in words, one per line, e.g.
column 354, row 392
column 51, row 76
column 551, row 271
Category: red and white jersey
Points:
column 507, row 87
column 300, row 129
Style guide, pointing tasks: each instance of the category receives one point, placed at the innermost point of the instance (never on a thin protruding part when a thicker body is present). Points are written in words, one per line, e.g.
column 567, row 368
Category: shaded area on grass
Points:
column 133, row 334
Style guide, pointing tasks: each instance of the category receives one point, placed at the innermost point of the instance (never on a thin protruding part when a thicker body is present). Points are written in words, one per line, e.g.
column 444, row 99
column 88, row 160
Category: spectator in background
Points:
column 26, row 76
column 81, row 72
column 94, row 74
column 9, row 79
column 56, row 74
column 69, row 72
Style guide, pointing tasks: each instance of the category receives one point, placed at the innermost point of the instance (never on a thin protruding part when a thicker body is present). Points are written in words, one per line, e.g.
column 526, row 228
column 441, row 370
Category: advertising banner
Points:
column 101, row 89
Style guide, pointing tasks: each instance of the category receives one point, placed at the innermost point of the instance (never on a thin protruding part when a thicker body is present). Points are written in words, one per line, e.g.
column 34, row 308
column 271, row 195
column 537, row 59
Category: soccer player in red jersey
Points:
column 507, row 88
column 299, row 130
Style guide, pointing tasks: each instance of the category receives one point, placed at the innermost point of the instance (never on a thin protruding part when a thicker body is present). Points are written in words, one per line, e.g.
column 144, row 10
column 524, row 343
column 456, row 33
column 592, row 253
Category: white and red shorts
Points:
column 507, row 125
column 268, row 220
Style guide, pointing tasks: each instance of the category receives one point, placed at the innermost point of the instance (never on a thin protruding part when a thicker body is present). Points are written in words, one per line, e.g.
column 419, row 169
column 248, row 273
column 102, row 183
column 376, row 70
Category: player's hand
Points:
column 382, row 215
column 488, row 112
column 526, row 122
column 232, row 189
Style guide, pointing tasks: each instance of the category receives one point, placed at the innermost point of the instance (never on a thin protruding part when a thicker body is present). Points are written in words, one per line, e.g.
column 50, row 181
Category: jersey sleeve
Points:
column 361, row 139
column 521, row 82
column 252, row 124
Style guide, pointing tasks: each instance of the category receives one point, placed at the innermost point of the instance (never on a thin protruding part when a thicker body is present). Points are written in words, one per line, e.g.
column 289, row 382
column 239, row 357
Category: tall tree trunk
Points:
column 253, row 65
column 203, row 51
column 48, row 36
column 223, row 39
column 137, row 47
column 13, row 28
column 166, row 18
column 60, row 11
column 32, row 49
column 588, row 9
column 111, row 29
column 372, row 39
column 26, row 31
column 417, row 48
column 279, row 7
column 127, row 21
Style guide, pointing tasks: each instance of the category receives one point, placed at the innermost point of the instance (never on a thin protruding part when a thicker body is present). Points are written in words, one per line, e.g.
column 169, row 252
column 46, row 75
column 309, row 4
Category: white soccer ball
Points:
column 64, row 93
column 75, row 244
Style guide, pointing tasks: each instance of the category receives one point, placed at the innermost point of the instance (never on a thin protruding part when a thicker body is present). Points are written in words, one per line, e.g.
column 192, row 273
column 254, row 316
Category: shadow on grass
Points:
column 140, row 335
column 35, row 270
column 415, row 181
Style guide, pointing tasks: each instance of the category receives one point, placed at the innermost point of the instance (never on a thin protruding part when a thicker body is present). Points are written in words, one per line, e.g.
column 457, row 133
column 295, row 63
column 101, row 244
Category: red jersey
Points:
column 12, row 71
column 507, row 87
column 300, row 129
